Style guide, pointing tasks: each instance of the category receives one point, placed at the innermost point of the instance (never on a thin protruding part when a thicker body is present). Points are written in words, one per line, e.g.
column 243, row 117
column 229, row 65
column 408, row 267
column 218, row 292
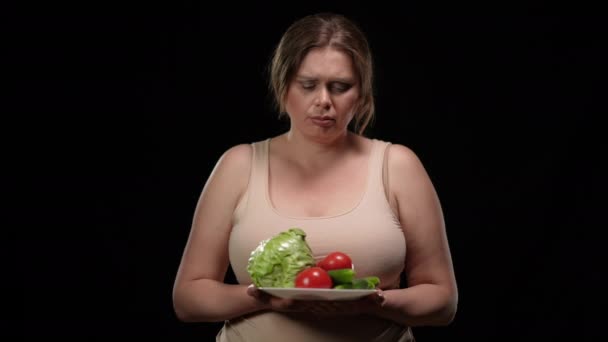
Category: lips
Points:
column 322, row 121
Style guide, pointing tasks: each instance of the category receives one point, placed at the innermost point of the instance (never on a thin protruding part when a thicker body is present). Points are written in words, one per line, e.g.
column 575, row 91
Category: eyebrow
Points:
column 337, row 79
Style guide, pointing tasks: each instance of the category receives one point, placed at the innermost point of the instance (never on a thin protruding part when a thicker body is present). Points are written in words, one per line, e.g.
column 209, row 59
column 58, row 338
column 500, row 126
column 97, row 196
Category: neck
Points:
column 310, row 153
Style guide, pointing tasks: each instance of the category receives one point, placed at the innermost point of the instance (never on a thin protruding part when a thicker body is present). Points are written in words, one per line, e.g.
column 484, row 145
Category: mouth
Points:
column 323, row 121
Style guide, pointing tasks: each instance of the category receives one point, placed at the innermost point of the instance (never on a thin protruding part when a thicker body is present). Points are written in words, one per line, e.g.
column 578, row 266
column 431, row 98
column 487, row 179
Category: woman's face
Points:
column 323, row 94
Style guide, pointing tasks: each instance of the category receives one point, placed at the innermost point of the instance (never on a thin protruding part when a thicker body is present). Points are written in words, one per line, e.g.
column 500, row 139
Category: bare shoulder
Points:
column 408, row 176
column 237, row 156
column 403, row 159
column 233, row 167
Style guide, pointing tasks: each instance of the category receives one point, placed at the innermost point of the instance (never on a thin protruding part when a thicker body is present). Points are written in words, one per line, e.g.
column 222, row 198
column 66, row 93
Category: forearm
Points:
column 420, row 305
column 206, row 300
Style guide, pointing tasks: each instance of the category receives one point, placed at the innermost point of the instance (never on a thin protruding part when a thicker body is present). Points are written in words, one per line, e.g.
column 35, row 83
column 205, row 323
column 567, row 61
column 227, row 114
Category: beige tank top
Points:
column 369, row 233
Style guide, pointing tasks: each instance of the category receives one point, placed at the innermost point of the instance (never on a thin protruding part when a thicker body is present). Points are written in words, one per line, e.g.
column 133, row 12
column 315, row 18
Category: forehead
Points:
column 326, row 63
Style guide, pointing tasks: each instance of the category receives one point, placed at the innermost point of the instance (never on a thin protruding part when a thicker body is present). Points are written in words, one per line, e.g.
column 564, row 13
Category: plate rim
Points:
column 313, row 290
column 322, row 293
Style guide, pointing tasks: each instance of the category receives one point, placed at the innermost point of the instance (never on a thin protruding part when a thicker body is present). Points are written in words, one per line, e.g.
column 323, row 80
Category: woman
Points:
column 366, row 197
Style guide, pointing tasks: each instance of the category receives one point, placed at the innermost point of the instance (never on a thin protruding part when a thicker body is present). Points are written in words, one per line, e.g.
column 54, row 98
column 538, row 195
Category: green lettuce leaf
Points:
column 277, row 261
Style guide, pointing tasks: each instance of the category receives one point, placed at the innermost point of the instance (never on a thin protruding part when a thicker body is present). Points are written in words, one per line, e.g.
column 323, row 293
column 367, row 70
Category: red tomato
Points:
column 314, row 277
column 335, row 261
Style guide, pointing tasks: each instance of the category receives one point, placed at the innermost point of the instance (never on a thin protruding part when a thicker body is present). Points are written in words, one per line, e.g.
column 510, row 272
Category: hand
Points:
column 367, row 304
column 271, row 302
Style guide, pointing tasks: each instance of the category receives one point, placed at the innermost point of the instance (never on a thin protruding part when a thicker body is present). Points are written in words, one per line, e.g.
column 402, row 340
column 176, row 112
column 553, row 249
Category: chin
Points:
column 324, row 136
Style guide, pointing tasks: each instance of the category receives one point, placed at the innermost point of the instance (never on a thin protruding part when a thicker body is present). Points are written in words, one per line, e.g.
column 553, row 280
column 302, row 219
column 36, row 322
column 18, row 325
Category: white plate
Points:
column 316, row 294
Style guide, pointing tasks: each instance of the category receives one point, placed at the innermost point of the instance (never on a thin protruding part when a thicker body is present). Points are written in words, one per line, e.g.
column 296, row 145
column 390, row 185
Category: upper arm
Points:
column 428, row 258
column 206, row 251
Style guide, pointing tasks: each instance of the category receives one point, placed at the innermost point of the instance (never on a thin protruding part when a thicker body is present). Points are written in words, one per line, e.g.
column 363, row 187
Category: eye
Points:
column 307, row 85
column 340, row 87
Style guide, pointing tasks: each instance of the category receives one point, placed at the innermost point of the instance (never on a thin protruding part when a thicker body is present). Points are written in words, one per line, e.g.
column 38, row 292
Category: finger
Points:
column 253, row 291
column 324, row 307
column 329, row 308
column 379, row 297
column 317, row 308
column 284, row 304
column 306, row 306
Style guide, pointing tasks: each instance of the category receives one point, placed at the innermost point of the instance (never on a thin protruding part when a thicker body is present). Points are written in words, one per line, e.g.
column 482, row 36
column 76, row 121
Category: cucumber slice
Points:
column 366, row 283
column 373, row 281
column 342, row 276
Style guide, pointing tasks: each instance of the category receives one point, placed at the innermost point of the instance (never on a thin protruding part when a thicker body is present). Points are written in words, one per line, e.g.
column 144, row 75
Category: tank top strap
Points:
column 254, row 196
column 376, row 177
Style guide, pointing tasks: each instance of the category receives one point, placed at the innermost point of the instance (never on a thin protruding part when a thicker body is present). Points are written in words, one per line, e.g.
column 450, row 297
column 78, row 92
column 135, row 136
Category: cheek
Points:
column 295, row 103
column 349, row 103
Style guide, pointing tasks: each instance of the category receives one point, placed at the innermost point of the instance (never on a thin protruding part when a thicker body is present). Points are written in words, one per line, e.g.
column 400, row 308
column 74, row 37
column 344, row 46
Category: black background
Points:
column 128, row 107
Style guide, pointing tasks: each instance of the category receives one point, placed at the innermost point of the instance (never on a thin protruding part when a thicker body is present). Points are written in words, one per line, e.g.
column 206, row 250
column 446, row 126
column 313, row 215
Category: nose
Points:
column 323, row 99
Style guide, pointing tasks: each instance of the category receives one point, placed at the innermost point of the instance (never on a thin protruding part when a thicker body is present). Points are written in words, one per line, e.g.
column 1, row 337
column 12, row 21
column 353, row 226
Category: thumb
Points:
column 253, row 291
column 379, row 297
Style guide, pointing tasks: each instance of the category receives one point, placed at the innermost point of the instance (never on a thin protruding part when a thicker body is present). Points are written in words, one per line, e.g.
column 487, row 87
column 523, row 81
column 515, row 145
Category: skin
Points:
column 308, row 163
column 324, row 86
